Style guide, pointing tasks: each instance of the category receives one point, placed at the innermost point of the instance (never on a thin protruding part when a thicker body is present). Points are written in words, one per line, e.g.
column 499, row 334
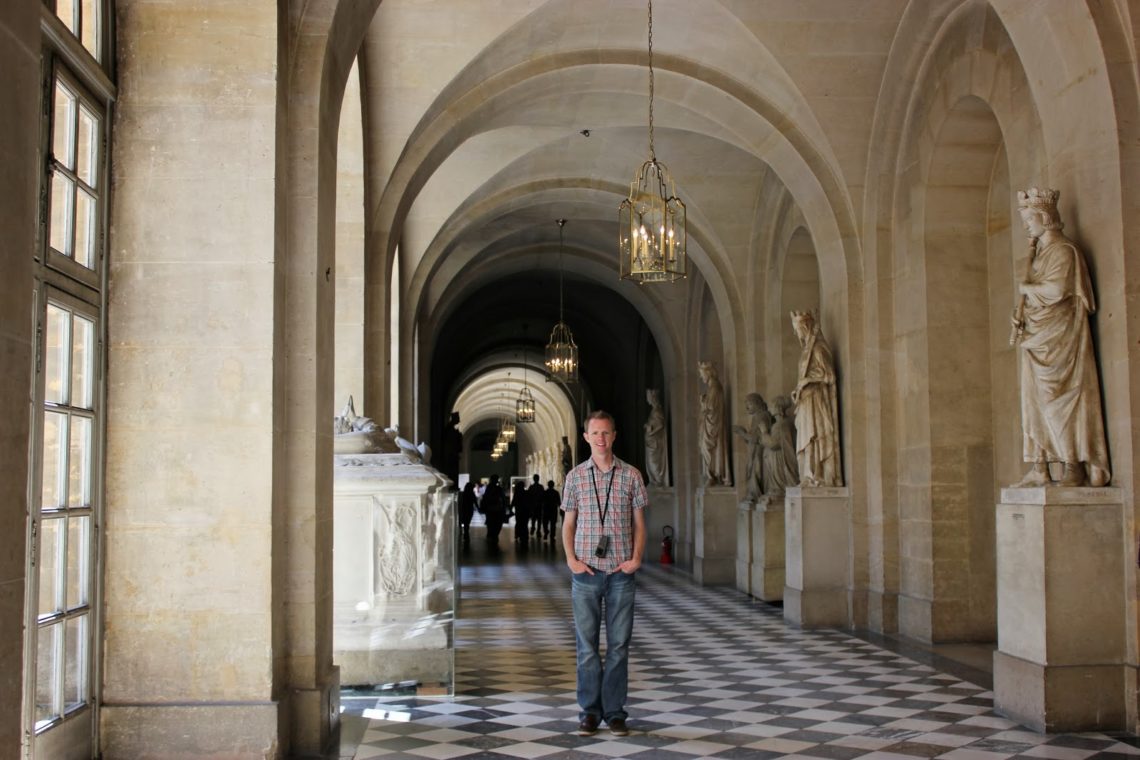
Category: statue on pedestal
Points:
column 781, row 471
column 817, row 407
column 754, row 435
column 1060, row 391
column 711, row 433
column 656, row 441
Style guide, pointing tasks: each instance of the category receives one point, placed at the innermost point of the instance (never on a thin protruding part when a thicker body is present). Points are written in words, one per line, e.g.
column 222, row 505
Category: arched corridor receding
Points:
column 712, row 674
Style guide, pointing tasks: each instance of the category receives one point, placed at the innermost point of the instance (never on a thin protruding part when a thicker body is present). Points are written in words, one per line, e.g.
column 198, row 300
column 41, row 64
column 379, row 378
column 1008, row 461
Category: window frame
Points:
column 82, row 291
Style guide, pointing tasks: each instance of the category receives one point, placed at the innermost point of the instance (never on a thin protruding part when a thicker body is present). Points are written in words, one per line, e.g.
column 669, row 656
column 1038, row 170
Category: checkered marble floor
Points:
column 713, row 673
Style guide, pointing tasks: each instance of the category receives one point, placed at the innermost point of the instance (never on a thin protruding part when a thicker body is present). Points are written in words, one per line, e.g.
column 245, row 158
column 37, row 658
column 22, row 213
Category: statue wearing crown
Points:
column 1060, row 391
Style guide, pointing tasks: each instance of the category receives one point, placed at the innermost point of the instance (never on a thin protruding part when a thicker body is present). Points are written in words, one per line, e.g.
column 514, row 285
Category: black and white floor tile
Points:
column 713, row 673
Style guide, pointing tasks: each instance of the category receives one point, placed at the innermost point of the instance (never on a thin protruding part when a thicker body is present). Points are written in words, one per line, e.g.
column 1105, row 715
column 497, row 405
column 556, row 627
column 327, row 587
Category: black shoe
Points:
column 618, row 727
column 588, row 726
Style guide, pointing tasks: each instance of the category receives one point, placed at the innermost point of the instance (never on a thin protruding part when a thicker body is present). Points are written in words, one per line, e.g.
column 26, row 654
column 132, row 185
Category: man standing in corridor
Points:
column 604, row 537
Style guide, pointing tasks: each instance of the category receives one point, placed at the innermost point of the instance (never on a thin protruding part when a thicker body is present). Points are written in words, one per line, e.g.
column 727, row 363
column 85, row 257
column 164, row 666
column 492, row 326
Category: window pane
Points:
column 63, row 126
column 91, row 22
column 65, row 9
column 84, row 229
column 79, row 463
column 61, row 213
column 47, row 659
column 87, row 147
column 82, row 362
column 78, row 561
column 55, row 457
column 57, row 354
column 51, row 534
column 75, row 663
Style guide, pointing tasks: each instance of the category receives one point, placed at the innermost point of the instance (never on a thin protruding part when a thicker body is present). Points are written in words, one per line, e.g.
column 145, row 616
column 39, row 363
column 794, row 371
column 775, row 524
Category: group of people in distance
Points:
column 535, row 510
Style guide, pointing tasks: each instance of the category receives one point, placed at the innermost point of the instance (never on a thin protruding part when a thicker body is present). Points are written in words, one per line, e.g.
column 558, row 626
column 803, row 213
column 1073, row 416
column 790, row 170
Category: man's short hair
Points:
column 599, row 414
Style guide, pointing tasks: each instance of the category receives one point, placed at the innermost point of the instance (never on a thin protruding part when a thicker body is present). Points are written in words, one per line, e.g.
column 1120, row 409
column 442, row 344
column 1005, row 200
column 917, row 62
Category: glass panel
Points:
column 82, row 362
column 57, row 354
column 79, row 463
column 55, row 458
column 51, row 534
column 63, row 126
column 65, row 9
column 84, row 229
column 62, row 200
column 78, row 562
column 47, row 685
column 75, row 659
column 90, row 34
column 86, row 147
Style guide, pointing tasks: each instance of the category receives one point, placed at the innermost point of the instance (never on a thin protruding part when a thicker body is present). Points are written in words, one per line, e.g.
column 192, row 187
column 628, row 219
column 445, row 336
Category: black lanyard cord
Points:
column 597, row 500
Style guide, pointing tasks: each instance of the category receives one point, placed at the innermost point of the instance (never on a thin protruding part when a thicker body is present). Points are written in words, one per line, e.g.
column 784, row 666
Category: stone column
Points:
column 714, row 549
column 817, row 551
column 1063, row 558
column 768, row 576
column 192, row 618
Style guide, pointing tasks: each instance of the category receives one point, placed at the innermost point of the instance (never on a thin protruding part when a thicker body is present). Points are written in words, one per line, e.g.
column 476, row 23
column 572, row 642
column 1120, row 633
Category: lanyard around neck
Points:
column 609, row 485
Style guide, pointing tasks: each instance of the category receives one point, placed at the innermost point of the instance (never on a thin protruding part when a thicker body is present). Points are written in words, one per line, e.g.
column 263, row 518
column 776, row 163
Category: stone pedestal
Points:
column 1062, row 568
column 393, row 571
column 662, row 511
column 714, row 542
column 744, row 512
column 768, row 576
column 816, row 547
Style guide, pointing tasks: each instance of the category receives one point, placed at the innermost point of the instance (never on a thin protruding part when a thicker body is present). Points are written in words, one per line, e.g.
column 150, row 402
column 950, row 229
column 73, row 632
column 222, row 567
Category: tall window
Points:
column 61, row 650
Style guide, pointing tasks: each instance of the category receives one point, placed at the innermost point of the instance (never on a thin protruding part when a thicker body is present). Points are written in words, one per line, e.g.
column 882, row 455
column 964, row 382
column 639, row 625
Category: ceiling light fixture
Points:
column 652, row 238
column 561, row 351
column 524, row 404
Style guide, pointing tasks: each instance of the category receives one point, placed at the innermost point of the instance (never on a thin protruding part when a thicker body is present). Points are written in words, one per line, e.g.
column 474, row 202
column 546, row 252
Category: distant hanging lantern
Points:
column 507, row 429
column 561, row 351
column 524, row 404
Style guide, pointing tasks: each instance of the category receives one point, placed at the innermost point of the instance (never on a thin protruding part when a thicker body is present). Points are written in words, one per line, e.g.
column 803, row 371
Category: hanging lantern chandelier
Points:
column 652, row 237
column 561, row 351
column 524, row 404
column 507, row 431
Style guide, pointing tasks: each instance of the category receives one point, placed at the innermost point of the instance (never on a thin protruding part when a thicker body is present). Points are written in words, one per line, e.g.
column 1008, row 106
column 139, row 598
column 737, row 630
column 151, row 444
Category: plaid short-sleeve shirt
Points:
column 626, row 493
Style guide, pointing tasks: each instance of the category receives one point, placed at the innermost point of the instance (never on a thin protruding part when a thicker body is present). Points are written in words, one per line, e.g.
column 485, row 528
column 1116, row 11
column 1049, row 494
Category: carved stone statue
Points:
column 758, row 429
column 817, row 407
column 780, row 468
column 656, row 441
column 712, row 436
column 567, row 456
column 1060, row 393
column 353, row 434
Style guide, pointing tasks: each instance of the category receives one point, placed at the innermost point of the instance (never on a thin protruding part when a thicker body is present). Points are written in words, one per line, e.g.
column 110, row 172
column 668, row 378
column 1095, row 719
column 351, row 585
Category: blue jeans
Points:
column 602, row 689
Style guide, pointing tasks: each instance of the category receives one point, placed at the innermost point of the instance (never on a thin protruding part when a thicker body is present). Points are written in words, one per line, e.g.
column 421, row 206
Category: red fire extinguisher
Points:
column 667, row 545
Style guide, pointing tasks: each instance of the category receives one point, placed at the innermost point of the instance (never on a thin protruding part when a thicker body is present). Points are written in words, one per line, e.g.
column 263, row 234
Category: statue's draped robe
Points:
column 656, row 448
column 755, row 475
column 712, row 437
column 817, row 414
column 1060, row 394
column 780, row 469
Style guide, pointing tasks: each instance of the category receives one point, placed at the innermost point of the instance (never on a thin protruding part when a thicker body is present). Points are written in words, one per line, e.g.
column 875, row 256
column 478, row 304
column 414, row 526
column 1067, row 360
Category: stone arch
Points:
column 795, row 150
column 952, row 273
column 799, row 289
